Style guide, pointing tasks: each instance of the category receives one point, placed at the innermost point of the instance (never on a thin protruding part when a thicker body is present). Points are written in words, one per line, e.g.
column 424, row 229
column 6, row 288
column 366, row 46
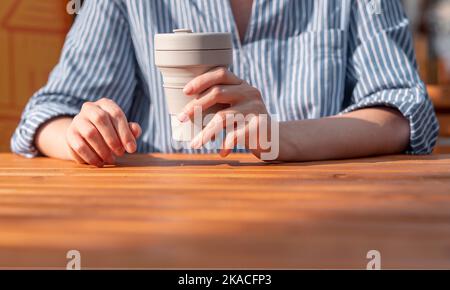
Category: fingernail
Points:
column 131, row 147
column 187, row 89
column 182, row 117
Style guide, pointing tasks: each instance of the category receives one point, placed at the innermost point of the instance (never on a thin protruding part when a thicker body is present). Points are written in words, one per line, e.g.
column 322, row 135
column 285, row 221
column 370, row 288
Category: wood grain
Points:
column 183, row 211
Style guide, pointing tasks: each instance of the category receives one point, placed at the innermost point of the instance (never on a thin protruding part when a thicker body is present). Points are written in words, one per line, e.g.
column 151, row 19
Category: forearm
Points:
column 366, row 132
column 50, row 138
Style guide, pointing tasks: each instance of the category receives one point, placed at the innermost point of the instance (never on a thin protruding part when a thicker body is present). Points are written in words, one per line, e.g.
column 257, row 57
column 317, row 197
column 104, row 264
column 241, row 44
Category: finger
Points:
column 214, row 127
column 101, row 120
column 120, row 123
column 72, row 153
column 236, row 138
column 228, row 94
column 95, row 140
column 83, row 150
column 75, row 156
column 253, row 133
column 135, row 129
column 216, row 76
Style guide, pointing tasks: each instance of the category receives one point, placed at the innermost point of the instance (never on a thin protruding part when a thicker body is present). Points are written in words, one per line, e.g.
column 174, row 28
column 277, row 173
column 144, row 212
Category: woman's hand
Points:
column 100, row 132
column 220, row 86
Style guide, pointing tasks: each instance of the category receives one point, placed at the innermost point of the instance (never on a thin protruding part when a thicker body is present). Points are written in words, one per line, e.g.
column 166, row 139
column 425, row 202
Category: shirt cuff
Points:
column 22, row 142
column 424, row 127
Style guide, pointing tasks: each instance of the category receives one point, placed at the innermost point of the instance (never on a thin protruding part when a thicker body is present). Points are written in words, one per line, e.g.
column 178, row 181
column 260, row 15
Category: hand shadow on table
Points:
column 154, row 161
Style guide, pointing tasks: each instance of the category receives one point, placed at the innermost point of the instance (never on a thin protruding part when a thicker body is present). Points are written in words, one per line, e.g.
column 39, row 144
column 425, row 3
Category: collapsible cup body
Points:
column 181, row 56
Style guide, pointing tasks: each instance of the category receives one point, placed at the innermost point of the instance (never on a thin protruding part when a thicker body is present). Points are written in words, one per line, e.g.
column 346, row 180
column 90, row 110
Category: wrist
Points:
column 293, row 144
column 50, row 138
column 286, row 145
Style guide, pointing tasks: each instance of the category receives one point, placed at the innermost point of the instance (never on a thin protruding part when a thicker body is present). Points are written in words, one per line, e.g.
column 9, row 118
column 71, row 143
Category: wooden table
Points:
column 164, row 211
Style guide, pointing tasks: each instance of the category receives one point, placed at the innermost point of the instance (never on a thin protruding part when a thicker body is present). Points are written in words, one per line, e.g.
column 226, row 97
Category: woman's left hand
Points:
column 220, row 86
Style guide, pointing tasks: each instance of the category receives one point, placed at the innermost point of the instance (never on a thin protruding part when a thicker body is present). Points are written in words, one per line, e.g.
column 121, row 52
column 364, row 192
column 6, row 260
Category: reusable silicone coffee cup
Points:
column 181, row 56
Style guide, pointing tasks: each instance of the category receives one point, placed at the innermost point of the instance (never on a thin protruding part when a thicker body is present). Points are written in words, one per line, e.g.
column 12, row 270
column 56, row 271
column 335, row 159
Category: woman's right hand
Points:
column 100, row 132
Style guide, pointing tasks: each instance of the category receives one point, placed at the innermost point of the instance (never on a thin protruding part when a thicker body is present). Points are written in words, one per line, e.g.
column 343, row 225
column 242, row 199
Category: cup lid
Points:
column 185, row 39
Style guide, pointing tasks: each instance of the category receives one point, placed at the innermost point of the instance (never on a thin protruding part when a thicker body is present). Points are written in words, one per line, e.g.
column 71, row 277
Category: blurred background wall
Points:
column 32, row 33
column 430, row 22
column 31, row 37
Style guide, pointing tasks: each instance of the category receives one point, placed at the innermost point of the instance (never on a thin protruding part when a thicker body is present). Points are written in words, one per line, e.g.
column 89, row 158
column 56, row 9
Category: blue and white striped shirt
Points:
column 309, row 58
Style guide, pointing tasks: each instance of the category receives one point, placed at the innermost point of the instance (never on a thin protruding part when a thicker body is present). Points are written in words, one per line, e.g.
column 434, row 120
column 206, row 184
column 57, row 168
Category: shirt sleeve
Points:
column 97, row 61
column 382, row 69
